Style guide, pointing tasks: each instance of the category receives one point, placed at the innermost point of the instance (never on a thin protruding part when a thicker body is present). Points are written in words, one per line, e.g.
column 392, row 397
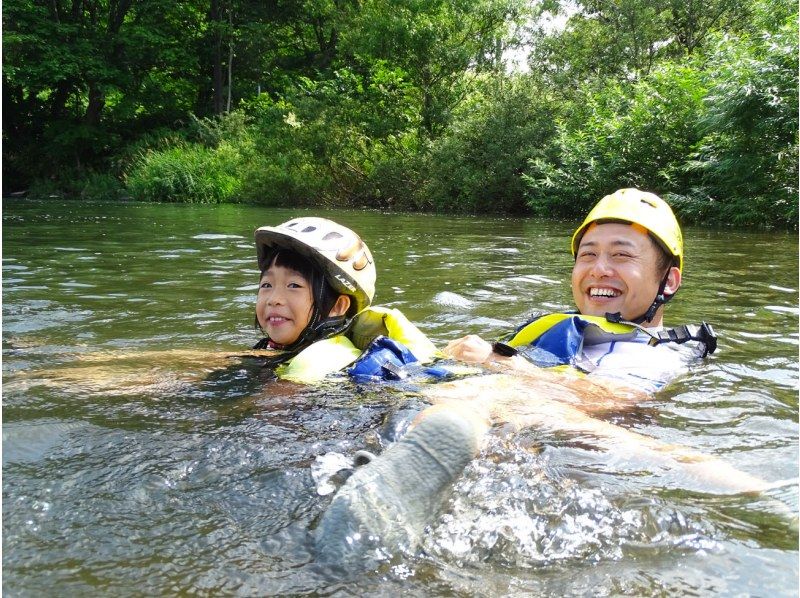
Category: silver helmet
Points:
column 344, row 258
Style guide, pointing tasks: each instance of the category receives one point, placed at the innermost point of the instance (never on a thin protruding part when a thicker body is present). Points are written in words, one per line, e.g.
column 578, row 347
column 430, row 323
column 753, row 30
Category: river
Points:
column 133, row 467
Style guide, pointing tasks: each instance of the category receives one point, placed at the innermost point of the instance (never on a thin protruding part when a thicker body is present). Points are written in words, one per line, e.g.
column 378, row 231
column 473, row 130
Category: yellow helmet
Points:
column 343, row 256
column 637, row 207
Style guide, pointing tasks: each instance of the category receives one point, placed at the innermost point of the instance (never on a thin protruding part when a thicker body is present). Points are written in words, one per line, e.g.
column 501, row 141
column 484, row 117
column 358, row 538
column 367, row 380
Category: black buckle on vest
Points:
column 394, row 372
column 703, row 333
column 708, row 337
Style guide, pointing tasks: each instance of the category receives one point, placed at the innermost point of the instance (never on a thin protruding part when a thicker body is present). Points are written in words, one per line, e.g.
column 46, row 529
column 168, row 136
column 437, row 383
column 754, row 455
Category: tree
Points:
column 619, row 136
column 748, row 157
column 626, row 39
column 81, row 75
column 436, row 43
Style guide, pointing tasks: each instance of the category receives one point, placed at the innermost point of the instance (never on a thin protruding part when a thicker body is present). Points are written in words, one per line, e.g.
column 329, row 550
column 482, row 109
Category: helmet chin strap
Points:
column 647, row 316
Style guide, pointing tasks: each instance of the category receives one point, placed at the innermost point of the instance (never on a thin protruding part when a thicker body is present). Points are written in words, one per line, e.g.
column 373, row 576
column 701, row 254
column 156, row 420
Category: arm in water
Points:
column 132, row 369
column 589, row 394
column 529, row 396
column 511, row 399
column 386, row 504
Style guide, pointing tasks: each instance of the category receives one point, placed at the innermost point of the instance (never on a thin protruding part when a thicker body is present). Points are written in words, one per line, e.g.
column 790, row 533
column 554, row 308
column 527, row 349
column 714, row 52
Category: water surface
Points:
column 130, row 471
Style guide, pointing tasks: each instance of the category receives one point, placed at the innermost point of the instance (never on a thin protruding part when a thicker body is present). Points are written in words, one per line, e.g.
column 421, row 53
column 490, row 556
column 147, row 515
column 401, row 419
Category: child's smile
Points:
column 284, row 304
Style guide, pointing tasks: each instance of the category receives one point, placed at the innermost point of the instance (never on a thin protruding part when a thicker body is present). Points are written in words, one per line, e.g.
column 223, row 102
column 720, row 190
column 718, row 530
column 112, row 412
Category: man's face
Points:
column 615, row 271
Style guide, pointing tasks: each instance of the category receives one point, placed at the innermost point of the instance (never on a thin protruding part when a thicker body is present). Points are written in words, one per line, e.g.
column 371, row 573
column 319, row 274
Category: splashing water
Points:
column 511, row 509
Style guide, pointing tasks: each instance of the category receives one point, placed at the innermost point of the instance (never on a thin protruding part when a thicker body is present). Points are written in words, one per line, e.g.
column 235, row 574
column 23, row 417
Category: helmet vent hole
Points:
column 309, row 229
column 361, row 261
column 649, row 203
column 331, row 236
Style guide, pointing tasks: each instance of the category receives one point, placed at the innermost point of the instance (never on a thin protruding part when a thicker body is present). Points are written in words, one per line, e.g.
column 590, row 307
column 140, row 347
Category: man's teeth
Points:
column 603, row 292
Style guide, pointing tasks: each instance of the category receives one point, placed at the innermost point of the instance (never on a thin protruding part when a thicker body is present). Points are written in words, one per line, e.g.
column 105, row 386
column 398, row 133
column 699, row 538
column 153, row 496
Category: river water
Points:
column 136, row 461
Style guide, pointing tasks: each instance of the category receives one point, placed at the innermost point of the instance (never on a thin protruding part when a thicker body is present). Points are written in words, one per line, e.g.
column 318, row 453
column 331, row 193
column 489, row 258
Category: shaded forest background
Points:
column 407, row 104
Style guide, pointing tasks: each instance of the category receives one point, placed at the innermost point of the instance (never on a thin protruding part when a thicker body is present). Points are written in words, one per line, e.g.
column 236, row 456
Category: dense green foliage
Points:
column 407, row 104
column 636, row 135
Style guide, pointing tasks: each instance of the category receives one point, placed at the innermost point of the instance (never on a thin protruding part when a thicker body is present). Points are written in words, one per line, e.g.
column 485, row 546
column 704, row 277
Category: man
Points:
column 628, row 262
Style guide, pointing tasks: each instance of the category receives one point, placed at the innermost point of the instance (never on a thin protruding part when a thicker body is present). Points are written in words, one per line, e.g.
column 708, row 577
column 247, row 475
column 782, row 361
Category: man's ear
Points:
column 673, row 281
column 340, row 307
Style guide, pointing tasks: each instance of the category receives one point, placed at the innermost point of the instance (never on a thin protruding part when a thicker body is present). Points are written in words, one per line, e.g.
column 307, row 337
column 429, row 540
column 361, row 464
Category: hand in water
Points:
column 470, row 348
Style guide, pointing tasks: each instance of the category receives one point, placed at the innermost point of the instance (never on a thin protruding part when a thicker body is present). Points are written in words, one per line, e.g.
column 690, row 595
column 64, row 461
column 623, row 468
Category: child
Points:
column 314, row 306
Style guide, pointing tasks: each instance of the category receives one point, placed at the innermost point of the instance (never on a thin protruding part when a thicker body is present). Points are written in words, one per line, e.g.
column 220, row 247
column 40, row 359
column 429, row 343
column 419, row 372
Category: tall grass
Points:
column 187, row 172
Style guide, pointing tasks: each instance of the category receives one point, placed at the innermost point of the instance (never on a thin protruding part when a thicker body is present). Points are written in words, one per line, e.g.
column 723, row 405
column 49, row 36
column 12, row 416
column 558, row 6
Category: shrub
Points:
column 76, row 184
column 477, row 166
column 186, row 172
column 286, row 178
column 98, row 186
column 748, row 157
column 617, row 136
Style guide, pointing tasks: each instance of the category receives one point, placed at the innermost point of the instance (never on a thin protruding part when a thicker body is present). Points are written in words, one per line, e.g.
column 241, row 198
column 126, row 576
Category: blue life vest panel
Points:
column 388, row 359
column 557, row 339
column 558, row 345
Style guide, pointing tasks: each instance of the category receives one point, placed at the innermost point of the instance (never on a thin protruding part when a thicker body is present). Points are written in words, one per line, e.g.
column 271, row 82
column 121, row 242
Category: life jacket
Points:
column 403, row 343
column 556, row 340
column 387, row 359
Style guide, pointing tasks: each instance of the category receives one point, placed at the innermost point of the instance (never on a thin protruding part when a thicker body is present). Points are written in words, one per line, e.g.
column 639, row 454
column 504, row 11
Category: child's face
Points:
column 284, row 304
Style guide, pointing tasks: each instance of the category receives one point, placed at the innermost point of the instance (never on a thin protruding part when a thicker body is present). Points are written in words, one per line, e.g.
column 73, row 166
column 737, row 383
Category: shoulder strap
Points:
column 536, row 328
column 376, row 321
column 702, row 333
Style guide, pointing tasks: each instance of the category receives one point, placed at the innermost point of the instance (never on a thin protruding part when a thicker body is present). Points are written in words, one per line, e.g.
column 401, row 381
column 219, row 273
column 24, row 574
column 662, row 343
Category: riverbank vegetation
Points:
column 408, row 104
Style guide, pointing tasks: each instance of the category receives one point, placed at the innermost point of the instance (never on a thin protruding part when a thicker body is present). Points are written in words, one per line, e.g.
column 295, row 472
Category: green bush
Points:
column 396, row 173
column 187, row 172
column 285, row 165
column 46, row 188
column 75, row 184
column 477, row 166
column 211, row 131
column 98, row 186
column 287, row 178
column 159, row 139
column 331, row 143
column 747, row 160
column 620, row 136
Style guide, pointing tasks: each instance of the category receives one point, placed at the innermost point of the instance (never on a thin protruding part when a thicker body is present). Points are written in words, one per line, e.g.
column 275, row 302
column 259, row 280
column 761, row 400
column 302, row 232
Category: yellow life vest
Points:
column 330, row 355
column 598, row 329
column 556, row 340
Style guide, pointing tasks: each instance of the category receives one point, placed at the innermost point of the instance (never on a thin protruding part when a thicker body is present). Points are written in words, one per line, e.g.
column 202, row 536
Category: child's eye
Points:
column 266, row 285
column 295, row 285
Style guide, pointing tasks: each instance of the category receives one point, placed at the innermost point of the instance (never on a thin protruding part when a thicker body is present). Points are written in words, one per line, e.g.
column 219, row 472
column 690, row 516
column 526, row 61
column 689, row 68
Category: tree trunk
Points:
column 97, row 101
column 230, row 58
column 216, row 57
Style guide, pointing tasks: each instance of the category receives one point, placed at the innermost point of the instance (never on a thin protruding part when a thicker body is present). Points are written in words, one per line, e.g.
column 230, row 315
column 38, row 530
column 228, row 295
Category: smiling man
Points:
column 628, row 257
column 554, row 373
column 619, row 268
column 628, row 262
